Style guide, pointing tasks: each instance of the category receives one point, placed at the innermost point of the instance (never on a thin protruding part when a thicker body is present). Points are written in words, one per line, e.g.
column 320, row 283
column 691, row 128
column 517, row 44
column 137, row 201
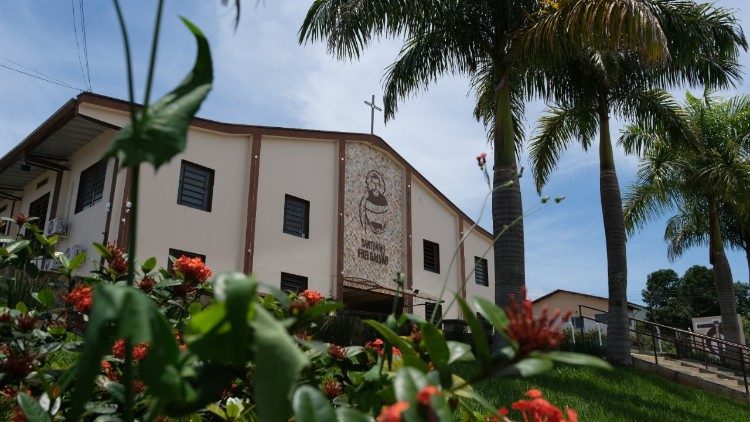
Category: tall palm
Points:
column 706, row 170
column 493, row 42
column 591, row 84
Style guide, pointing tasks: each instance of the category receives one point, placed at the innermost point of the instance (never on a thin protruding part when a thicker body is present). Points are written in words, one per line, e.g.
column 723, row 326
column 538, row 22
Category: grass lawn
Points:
column 623, row 394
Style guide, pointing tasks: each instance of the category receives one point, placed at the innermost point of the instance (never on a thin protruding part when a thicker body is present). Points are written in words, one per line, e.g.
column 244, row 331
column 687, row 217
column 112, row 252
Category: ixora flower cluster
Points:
column 200, row 346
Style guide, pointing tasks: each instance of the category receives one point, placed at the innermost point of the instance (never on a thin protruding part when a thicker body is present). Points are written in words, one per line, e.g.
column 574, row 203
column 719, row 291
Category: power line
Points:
column 78, row 45
column 44, row 75
column 41, row 78
column 85, row 44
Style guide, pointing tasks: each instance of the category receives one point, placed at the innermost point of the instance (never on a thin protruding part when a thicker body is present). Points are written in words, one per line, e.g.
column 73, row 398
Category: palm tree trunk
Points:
column 730, row 326
column 618, row 324
column 507, row 209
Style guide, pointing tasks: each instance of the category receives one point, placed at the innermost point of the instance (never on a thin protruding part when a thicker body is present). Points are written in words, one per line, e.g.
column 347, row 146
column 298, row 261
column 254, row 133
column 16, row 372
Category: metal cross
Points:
column 373, row 107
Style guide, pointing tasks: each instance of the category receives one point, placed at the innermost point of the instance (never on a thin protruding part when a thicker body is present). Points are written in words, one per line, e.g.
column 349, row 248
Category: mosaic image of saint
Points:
column 373, row 206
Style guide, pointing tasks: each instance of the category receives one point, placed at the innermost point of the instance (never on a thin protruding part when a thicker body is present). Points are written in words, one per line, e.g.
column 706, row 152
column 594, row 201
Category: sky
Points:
column 264, row 76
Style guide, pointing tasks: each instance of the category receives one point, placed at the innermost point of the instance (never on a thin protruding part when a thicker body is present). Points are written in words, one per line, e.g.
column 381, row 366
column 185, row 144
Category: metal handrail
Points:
column 719, row 340
column 691, row 343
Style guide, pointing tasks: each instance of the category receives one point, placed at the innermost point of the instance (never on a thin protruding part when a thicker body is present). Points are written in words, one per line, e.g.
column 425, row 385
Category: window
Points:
column 38, row 209
column 91, row 186
column 480, row 271
column 296, row 216
column 293, row 283
column 431, row 256
column 601, row 318
column 577, row 322
column 177, row 253
column 429, row 307
column 196, row 186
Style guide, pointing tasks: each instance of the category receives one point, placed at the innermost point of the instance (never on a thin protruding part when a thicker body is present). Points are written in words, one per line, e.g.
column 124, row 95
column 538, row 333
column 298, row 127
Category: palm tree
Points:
column 592, row 84
column 707, row 169
column 494, row 42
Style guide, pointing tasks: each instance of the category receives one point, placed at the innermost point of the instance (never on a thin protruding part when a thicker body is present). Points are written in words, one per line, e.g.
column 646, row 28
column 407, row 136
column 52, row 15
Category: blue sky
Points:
column 264, row 77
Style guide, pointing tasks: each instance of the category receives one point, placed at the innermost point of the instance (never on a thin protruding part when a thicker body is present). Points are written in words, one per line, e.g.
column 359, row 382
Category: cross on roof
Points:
column 373, row 107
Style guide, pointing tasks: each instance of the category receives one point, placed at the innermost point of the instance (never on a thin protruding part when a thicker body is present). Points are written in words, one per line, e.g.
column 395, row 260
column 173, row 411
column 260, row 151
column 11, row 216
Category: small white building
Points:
column 341, row 213
column 593, row 308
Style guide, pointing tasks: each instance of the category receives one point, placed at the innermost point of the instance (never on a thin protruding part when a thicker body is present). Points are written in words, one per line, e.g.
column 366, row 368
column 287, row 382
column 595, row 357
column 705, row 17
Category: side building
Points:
column 587, row 310
column 341, row 213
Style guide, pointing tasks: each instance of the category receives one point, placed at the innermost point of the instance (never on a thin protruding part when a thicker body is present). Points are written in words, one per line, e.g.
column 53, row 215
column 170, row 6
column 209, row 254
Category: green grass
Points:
column 622, row 394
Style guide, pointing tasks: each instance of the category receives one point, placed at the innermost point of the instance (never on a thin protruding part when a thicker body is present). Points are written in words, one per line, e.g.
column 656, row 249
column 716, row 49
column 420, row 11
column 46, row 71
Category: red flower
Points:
column 108, row 370
column 503, row 411
column 377, row 346
column 393, row 413
column 16, row 365
column 21, row 219
column 81, row 297
column 5, row 317
column 192, row 269
column 543, row 333
column 312, row 296
column 337, row 352
column 423, row 396
column 26, row 322
column 482, row 159
column 147, row 284
column 117, row 261
column 332, row 388
column 537, row 409
column 139, row 350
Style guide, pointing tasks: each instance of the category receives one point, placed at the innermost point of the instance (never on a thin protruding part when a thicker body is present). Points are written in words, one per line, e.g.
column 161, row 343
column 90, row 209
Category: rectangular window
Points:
column 296, row 216
column 577, row 322
column 429, row 307
column 38, row 209
column 177, row 253
column 431, row 256
column 293, row 283
column 91, row 186
column 196, row 186
column 480, row 271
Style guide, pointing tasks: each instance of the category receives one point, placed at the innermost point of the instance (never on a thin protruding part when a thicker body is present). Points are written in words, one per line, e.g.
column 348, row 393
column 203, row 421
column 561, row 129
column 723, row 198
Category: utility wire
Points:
column 78, row 45
column 41, row 78
column 43, row 75
column 85, row 44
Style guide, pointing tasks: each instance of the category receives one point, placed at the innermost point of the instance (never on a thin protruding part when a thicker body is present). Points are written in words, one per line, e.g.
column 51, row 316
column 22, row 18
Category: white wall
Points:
column 307, row 169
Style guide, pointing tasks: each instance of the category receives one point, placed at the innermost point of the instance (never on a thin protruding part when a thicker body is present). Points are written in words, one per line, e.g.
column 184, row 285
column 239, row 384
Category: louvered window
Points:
column 480, row 271
column 196, row 186
column 177, row 253
column 38, row 209
column 429, row 307
column 296, row 216
column 431, row 256
column 91, row 186
column 293, row 283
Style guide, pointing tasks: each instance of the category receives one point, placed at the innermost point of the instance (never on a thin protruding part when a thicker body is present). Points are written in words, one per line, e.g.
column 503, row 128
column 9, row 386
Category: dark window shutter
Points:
column 177, row 253
column 293, row 283
column 196, row 186
column 38, row 209
column 91, row 186
column 429, row 307
column 480, row 271
column 296, row 216
column 431, row 256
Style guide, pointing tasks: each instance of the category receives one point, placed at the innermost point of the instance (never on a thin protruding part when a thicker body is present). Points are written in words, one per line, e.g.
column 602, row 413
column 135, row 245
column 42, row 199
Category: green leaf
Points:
column 411, row 358
column 441, row 408
column 278, row 363
column 148, row 265
column 527, row 367
column 161, row 130
column 16, row 246
column 60, row 256
column 77, row 261
column 436, row 345
column 45, row 296
column 407, row 384
column 321, row 309
column 310, row 405
column 21, row 307
column 103, row 250
column 32, row 409
column 348, row 414
column 494, row 314
column 459, row 352
column 573, row 359
column 477, row 332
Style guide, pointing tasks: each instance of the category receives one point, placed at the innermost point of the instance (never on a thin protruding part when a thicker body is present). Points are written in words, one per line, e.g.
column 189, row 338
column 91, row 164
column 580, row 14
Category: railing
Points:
column 732, row 357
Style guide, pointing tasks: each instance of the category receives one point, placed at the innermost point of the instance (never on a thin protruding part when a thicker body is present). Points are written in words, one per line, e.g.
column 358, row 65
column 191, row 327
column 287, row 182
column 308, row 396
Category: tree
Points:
column 496, row 43
column 591, row 84
column 705, row 168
